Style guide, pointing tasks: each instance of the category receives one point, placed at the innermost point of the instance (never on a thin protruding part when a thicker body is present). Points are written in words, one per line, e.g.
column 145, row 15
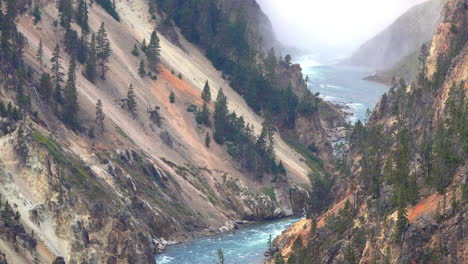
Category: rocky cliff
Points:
column 401, row 196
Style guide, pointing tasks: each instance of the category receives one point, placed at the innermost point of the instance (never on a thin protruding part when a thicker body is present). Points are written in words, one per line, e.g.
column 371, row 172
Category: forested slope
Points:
column 402, row 192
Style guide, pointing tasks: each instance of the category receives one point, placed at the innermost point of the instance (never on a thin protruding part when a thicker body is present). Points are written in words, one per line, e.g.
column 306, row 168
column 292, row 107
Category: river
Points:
column 245, row 246
column 344, row 85
column 338, row 84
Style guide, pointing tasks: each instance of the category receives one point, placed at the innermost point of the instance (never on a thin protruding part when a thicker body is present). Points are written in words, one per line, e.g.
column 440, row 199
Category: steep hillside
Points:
column 118, row 195
column 261, row 30
column 401, row 38
column 405, row 69
column 401, row 196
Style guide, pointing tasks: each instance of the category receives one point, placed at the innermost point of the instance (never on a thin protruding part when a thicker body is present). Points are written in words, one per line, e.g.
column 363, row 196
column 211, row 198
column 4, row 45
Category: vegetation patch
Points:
column 123, row 134
column 78, row 175
column 309, row 158
column 270, row 192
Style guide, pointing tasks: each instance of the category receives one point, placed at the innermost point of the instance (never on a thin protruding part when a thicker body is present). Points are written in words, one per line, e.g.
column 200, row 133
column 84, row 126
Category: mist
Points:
column 331, row 28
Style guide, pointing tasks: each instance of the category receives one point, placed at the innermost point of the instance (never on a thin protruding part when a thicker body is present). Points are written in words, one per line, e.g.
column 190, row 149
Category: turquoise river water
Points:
column 344, row 85
column 246, row 246
column 339, row 84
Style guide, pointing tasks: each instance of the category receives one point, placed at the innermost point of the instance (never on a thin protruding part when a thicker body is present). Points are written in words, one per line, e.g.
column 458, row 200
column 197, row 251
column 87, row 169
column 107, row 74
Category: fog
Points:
column 331, row 26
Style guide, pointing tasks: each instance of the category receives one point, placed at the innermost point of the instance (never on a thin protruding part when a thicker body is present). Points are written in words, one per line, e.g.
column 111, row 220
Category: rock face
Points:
column 403, row 37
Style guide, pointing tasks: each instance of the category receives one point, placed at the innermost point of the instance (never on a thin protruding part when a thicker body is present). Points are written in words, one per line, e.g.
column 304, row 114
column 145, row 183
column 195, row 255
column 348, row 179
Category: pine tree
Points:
column 45, row 86
column 287, row 60
column 402, row 220
column 203, row 116
column 100, row 116
column 206, row 94
column 220, row 117
column 91, row 62
column 71, row 107
column 131, row 101
column 82, row 15
column 82, row 49
column 65, row 8
column 135, row 51
column 207, row 139
column 141, row 69
column 57, row 73
column 36, row 13
column 143, row 45
column 103, row 50
column 172, row 97
column 22, row 98
column 40, row 54
column 413, row 190
column 153, row 51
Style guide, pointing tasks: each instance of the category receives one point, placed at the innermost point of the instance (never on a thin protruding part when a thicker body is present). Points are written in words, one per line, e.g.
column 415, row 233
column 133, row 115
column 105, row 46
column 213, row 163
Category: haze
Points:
column 331, row 25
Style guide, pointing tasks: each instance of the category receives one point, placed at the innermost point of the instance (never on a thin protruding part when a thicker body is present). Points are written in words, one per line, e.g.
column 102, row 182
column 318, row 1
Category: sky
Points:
column 333, row 24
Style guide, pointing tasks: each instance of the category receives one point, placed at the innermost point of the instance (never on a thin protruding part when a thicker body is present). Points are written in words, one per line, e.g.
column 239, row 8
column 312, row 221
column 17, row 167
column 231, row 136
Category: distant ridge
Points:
column 401, row 38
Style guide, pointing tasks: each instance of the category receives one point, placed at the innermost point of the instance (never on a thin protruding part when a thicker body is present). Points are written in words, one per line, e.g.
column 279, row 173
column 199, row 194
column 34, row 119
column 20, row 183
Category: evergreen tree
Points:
column 153, row 51
column 141, row 69
column 289, row 104
column 57, row 73
column 22, row 98
column 91, row 62
column 203, row 116
column 71, row 107
column 413, row 190
column 100, row 116
column 287, row 60
column 172, row 97
column 270, row 246
column 135, row 51
column 207, row 139
column 220, row 117
column 402, row 158
column 36, row 13
column 131, row 101
column 82, row 48
column 103, row 50
column 82, row 15
column 206, row 94
column 45, row 86
column 402, row 220
column 65, row 8
column 109, row 6
column 270, row 63
column 143, row 45
column 40, row 54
